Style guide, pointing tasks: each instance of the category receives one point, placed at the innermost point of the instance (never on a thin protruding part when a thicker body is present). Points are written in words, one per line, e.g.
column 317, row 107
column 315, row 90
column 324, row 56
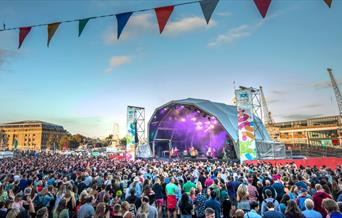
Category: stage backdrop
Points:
column 245, row 125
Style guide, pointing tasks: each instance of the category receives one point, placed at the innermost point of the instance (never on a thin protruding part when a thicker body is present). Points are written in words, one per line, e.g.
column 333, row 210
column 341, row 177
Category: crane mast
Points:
column 266, row 113
column 336, row 90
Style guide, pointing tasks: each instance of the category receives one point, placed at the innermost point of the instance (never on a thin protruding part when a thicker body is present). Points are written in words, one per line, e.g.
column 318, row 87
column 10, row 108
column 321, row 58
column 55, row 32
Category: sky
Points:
column 85, row 83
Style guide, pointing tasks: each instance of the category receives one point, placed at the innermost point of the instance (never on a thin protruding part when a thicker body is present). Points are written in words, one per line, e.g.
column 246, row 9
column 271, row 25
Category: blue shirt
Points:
column 252, row 214
column 312, row 214
column 199, row 202
column 215, row 205
column 86, row 210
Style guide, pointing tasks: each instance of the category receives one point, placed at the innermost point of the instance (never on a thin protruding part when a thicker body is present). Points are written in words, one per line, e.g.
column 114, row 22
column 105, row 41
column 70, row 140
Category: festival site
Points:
column 170, row 109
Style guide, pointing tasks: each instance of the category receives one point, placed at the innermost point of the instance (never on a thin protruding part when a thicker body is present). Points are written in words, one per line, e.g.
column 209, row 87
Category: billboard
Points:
column 246, row 125
column 327, row 143
column 131, row 133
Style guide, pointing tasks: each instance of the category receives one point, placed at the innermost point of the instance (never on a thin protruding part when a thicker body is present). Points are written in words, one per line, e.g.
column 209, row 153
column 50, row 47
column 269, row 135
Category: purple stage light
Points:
column 193, row 119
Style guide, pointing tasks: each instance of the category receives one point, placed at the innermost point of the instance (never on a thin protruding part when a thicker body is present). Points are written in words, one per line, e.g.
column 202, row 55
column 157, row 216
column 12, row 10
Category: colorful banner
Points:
column 131, row 133
column 327, row 143
column 263, row 6
column 246, row 126
column 81, row 24
column 328, row 2
column 122, row 21
column 52, row 27
column 23, row 32
column 208, row 7
column 163, row 14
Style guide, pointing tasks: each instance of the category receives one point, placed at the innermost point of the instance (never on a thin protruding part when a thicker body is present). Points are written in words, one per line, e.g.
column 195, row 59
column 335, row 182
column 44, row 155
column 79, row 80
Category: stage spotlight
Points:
column 193, row 119
column 182, row 120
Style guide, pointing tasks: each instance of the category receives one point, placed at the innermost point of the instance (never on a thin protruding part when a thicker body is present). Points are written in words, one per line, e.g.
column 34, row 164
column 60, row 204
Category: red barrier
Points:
column 330, row 162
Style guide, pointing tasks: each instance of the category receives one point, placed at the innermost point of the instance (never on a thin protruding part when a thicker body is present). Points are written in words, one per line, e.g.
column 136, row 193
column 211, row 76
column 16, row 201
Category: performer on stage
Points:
column 211, row 152
column 193, row 152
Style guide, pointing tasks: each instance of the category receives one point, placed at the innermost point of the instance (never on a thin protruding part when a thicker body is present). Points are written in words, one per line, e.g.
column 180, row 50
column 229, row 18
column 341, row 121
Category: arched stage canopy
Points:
column 199, row 123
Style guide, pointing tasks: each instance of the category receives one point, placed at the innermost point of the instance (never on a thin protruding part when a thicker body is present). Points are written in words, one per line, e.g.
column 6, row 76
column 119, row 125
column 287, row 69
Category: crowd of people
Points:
column 63, row 186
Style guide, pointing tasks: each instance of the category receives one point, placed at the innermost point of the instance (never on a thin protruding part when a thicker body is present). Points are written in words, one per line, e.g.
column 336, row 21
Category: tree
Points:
column 51, row 141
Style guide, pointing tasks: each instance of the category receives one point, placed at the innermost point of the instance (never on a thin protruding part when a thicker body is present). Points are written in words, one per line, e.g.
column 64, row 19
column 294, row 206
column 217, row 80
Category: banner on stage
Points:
column 246, row 125
column 131, row 133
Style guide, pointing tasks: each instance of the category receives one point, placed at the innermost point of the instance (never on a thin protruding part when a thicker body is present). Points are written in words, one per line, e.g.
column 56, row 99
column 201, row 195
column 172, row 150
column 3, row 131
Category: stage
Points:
column 329, row 162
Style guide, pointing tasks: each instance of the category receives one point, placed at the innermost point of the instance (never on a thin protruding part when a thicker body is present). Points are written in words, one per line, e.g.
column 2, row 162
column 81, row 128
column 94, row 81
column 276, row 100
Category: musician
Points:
column 193, row 152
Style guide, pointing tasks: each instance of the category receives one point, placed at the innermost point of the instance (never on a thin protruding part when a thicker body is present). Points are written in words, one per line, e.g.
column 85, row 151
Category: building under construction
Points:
column 321, row 131
column 317, row 132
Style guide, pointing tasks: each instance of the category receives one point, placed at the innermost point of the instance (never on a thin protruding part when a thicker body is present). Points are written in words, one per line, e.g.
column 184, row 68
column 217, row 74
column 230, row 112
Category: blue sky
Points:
column 86, row 83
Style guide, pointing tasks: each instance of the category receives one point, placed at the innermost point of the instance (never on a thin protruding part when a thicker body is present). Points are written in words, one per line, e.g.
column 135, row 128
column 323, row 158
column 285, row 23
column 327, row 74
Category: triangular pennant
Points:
column 52, row 27
column 328, row 2
column 122, row 21
column 23, row 32
column 208, row 7
column 262, row 6
column 163, row 15
column 81, row 24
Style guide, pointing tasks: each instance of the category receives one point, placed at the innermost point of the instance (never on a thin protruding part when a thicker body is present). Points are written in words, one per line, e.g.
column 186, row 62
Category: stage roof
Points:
column 226, row 115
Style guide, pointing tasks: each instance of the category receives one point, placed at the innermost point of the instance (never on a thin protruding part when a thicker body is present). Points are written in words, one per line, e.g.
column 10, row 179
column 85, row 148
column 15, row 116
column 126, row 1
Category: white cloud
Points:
column 117, row 61
column 135, row 26
column 187, row 24
column 232, row 35
column 147, row 22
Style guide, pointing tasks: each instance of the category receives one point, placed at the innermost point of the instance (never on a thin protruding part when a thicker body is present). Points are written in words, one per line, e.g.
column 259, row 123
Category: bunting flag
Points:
column 52, row 27
column 163, row 15
column 122, row 21
column 208, row 7
column 81, row 24
column 23, row 32
column 328, row 2
column 262, row 6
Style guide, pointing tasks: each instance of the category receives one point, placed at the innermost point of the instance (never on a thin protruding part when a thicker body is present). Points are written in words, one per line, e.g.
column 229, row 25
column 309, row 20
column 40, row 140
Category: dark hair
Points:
column 268, row 193
column 270, row 204
column 254, row 205
column 213, row 194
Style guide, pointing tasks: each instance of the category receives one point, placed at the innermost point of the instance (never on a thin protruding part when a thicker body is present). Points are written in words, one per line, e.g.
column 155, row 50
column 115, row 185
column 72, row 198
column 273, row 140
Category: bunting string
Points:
column 162, row 14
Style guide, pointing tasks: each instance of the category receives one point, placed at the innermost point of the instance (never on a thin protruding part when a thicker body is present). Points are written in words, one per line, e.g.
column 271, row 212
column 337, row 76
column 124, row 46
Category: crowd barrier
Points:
column 330, row 162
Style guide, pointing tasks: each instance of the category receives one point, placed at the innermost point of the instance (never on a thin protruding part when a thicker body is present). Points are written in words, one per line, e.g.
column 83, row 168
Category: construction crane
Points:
column 266, row 113
column 336, row 90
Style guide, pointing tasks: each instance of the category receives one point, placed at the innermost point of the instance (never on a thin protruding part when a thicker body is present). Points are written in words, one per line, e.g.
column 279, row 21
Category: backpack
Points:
column 265, row 204
column 300, row 202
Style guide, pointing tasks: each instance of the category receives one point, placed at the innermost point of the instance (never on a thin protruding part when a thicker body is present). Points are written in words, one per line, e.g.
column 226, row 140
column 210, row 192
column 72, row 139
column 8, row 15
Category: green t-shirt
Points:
column 171, row 189
column 188, row 186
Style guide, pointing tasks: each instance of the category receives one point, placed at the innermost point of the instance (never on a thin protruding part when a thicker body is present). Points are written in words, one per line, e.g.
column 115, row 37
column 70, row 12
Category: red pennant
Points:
column 328, row 2
column 262, row 6
column 23, row 32
column 163, row 15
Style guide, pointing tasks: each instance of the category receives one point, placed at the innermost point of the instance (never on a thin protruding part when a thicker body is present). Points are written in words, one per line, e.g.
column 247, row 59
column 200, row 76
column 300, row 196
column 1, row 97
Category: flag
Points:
column 15, row 143
column 328, row 2
column 122, row 21
column 23, row 32
column 262, row 6
column 163, row 15
column 81, row 24
column 208, row 7
column 52, row 27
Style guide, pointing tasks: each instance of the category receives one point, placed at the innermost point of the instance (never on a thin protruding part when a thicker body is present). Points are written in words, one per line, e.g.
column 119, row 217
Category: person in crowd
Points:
column 159, row 198
column 332, row 208
column 102, row 211
column 239, row 213
column 214, row 204
column 269, row 198
column 199, row 203
column 185, row 206
column 87, row 210
column 318, row 198
column 271, row 211
column 125, row 208
column 147, row 209
column 171, row 201
column 309, row 212
column 283, row 203
column 209, row 213
column 293, row 211
column 242, row 198
column 253, row 213
column 41, row 213
column 61, row 211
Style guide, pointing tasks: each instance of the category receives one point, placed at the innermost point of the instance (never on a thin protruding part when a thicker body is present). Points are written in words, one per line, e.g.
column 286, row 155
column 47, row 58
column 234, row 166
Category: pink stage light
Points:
column 182, row 119
column 193, row 119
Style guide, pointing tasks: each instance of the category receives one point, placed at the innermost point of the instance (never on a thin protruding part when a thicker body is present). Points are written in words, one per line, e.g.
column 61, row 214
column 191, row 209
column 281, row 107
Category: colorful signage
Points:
column 327, row 143
column 246, row 125
column 131, row 133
